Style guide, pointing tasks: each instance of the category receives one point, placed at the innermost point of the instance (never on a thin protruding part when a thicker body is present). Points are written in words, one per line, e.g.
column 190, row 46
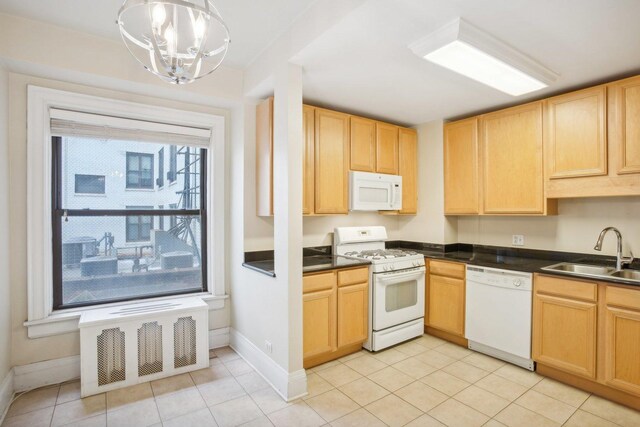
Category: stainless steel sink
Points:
column 596, row 271
column 627, row 274
column 581, row 269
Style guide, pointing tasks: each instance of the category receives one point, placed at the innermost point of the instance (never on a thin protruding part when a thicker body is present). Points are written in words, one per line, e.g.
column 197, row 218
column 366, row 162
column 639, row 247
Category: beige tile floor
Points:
column 425, row 382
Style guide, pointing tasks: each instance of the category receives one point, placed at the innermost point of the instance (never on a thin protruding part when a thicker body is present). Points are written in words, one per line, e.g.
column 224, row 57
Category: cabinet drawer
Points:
column 577, row 289
column 351, row 277
column 622, row 297
column 446, row 268
column 318, row 282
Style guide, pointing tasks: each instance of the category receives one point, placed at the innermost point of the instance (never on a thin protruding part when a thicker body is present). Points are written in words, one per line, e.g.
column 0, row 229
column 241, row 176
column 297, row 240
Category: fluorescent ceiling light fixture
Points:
column 466, row 50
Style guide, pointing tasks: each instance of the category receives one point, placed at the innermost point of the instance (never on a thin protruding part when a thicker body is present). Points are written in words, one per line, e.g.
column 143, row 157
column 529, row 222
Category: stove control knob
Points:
column 517, row 283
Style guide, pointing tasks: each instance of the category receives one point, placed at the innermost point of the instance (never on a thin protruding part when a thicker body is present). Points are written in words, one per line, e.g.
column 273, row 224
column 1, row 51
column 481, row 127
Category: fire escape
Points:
column 184, row 229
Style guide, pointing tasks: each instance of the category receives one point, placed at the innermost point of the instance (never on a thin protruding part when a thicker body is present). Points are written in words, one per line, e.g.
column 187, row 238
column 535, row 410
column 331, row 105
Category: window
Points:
column 139, row 170
column 52, row 112
column 173, row 163
column 106, row 249
column 160, row 180
column 90, row 184
column 139, row 226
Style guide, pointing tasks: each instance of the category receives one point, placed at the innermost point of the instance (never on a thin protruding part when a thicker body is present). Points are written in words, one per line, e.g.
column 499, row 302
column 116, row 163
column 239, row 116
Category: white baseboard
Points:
column 218, row 338
column 44, row 373
column 6, row 394
column 289, row 386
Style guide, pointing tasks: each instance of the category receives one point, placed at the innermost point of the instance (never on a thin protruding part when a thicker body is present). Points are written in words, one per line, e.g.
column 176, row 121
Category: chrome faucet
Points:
column 620, row 260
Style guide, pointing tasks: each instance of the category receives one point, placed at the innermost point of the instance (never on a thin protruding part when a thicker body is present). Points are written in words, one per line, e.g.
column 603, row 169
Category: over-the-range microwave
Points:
column 374, row 191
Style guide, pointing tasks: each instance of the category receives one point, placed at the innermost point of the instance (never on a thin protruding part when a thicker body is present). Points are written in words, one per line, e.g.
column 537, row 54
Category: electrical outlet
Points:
column 268, row 346
column 517, row 240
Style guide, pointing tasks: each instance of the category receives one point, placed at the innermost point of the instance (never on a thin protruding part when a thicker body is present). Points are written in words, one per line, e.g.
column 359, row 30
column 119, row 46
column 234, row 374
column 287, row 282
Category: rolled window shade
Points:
column 77, row 124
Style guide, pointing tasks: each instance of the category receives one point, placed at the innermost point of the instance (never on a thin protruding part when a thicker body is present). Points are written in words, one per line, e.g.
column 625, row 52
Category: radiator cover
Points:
column 134, row 343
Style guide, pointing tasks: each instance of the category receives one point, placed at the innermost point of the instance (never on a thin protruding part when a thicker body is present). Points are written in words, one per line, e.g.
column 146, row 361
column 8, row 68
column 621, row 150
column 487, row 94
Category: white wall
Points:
column 5, row 294
column 574, row 229
column 49, row 56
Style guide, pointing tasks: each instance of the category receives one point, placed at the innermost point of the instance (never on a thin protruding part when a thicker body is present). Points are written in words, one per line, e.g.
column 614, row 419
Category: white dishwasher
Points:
column 498, row 314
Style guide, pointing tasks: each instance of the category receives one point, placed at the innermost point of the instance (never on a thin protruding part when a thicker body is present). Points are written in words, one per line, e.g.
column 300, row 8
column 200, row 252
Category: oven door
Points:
column 398, row 297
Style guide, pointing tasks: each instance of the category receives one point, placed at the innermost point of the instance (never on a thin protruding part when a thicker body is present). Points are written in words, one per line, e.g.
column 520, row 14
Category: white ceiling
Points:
column 362, row 63
column 253, row 25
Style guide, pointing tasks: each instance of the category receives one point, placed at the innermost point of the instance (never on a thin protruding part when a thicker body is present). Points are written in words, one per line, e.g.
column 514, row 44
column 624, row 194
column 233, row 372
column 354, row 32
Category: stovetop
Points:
column 382, row 254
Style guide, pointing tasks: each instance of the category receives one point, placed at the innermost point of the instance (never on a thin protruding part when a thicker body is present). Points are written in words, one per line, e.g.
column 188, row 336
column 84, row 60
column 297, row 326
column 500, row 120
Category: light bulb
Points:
column 172, row 40
column 199, row 29
column 158, row 15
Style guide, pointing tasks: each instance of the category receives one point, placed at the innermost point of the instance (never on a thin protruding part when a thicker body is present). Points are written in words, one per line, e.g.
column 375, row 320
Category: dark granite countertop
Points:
column 310, row 263
column 525, row 260
column 507, row 258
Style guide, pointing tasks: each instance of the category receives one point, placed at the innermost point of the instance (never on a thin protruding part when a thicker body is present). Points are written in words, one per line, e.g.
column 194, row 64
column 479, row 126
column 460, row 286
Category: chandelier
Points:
column 177, row 40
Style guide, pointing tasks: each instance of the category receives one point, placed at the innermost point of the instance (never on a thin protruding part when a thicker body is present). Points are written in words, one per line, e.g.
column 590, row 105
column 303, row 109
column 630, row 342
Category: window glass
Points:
column 139, row 170
column 118, row 163
column 112, row 248
column 160, row 180
column 89, row 184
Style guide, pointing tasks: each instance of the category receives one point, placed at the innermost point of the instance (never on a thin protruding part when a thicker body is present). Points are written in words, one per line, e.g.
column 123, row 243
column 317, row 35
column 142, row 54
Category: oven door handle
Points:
column 395, row 278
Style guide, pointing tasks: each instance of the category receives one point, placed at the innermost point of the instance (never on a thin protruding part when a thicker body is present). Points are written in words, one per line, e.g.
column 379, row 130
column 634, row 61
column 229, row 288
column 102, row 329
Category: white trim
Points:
column 6, row 394
column 289, row 386
column 39, row 235
column 65, row 321
column 55, row 371
column 218, row 338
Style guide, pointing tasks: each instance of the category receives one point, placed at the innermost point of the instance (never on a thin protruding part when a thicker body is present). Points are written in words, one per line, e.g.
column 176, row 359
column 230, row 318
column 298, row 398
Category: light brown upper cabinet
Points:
column 408, row 169
column 363, row 144
column 598, row 153
column 461, row 183
column 308, row 181
column 576, row 139
column 624, row 125
column 511, row 154
column 386, row 148
column 331, row 162
column 264, row 158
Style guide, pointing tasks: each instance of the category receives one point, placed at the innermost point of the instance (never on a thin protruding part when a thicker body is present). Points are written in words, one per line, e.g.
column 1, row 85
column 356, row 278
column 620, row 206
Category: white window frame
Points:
column 42, row 320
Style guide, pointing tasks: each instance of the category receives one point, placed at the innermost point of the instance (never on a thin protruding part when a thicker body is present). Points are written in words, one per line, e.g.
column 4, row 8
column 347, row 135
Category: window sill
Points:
column 66, row 321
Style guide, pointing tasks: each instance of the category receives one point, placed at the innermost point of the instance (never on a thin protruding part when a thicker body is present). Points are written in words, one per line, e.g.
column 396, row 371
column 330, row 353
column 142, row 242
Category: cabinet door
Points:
column 264, row 158
column 511, row 152
column 445, row 304
column 331, row 162
column 386, row 148
column 363, row 144
column 576, row 134
column 319, row 322
column 408, row 169
column 308, row 188
column 622, row 339
column 353, row 312
column 624, row 124
column 564, row 334
column 461, row 183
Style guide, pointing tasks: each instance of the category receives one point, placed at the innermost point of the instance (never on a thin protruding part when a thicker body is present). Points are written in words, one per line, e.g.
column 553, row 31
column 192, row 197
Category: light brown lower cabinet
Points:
column 564, row 330
column 587, row 334
column 335, row 314
column 622, row 339
column 445, row 298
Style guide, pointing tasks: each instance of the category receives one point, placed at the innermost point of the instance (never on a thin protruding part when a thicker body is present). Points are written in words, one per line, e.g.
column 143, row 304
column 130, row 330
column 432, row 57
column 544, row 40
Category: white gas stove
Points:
column 396, row 285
